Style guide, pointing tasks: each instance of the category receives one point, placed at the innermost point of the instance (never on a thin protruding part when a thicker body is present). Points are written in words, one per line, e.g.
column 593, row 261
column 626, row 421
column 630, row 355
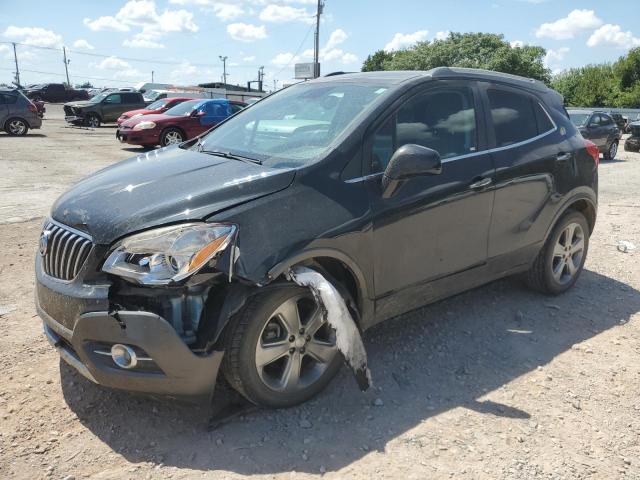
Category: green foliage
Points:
column 472, row 50
column 603, row 85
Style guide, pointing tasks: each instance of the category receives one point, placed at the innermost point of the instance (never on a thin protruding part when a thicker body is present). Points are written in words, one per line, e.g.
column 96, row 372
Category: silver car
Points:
column 17, row 113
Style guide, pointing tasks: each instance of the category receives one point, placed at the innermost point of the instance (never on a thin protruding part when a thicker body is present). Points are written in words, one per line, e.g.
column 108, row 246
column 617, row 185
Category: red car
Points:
column 182, row 122
column 159, row 106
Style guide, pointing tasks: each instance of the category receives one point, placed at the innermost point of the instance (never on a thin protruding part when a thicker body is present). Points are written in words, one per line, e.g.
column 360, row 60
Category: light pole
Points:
column 15, row 57
column 66, row 63
column 316, row 46
column 224, row 69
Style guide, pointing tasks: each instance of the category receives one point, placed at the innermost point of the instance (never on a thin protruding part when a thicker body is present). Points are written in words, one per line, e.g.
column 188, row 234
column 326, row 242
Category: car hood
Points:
column 86, row 103
column 143, row 111
column 163, row 186
column 153, row 117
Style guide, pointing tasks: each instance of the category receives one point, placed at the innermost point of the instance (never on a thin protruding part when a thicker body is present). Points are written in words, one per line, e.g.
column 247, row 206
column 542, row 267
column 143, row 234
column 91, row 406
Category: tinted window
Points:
column 235, row 108
column 513, row 117
column 7, row 98
column 130, row 97
column 606, row 120
column 442, row 120
column 113, row 98
column 542, row 119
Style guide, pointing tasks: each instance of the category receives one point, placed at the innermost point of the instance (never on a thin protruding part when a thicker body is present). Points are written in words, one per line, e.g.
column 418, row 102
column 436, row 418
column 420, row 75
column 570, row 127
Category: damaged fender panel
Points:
column 336, row 313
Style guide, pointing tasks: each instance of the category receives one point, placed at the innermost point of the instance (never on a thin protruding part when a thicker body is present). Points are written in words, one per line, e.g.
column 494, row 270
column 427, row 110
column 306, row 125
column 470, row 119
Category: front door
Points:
column 434, row 226
column 111, row 107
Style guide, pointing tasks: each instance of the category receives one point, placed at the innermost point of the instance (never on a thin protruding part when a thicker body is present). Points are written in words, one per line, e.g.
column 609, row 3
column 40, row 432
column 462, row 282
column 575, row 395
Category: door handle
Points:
column 563, row 157
column 480, row 184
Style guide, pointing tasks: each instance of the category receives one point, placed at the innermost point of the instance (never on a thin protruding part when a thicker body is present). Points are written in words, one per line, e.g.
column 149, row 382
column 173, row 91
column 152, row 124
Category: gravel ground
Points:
column 495, row 383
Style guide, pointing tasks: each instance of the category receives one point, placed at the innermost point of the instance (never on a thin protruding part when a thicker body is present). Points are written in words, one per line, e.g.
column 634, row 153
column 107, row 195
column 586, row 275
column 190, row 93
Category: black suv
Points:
column 262, row 248
column 55, row 92
column 600, row 128
column 103, row 108
column 632, row 143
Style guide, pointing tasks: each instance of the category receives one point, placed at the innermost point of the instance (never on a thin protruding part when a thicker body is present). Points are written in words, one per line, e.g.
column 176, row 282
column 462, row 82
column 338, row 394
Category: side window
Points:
column 4, row 99
column 595, row 120
column 8, row 99
column 443, row 120
column 115, row 98
column 130, row 98
column 542, row 119
column 513, row 117
column 606, row 120
column 235, row 108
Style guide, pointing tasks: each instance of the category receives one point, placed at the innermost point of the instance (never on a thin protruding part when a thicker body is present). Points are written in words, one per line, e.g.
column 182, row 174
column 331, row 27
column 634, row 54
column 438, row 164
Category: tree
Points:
column 473, row 50
column 376, row 61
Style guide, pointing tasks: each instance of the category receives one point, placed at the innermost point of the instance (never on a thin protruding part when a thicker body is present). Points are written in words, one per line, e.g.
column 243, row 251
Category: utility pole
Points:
column 224, row 69
column 275, row 84
column 151, row 76
column 66, row 62
column 15, row 57
column 260, row 78
column 316, row 46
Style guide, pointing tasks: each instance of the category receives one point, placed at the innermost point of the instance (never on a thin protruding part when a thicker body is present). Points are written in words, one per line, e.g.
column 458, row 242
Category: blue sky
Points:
column 120, row 42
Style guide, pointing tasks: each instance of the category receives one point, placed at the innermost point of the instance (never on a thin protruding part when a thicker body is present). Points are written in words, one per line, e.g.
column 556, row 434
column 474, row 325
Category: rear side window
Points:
column 542, row 119
column 7, row 99
column 130, row 98
column 606, row 120
column 514, row 119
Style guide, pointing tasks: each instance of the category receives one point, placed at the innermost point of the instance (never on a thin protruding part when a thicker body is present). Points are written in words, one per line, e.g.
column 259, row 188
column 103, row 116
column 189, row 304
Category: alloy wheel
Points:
column 17, row 127
column 173, row 137
column 568, row 253
column 296, row 345
column 94, row 121
column 613, row 149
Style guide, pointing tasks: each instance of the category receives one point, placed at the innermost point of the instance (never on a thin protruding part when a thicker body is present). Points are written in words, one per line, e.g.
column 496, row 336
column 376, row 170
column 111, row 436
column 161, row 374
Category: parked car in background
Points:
column 159, row 106
column 17, row 113
column 632, row 143
column 104, row 108
column 55, row 92
column 621, row 121
column 367, row 196
column 153, row 95
column 600, row 128
column 182, row 122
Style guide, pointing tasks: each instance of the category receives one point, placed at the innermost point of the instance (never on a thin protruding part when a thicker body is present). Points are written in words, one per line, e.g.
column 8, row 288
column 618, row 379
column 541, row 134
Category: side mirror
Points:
column 198, row 113
column 409, row 161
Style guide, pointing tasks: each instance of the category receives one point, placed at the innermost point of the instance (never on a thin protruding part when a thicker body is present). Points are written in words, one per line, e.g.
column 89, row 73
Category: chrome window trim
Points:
column 481, row 152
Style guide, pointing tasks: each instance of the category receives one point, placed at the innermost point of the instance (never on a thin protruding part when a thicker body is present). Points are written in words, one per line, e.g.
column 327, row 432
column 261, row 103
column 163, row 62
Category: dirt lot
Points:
column 499, row 382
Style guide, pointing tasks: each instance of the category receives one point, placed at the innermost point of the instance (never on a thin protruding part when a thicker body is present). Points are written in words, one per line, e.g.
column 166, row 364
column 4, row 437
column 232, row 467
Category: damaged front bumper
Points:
column 78, row 323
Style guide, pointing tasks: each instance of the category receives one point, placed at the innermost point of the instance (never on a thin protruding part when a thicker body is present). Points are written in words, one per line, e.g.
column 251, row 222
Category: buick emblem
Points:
column 44, row 242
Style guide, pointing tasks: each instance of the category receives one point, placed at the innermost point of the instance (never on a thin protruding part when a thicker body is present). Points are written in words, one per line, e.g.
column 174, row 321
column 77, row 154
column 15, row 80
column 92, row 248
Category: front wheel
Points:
column 280, row 351
column 611, row 153
column 16, row 127
column 171, row 136
column 93, row 121
column 560, row 262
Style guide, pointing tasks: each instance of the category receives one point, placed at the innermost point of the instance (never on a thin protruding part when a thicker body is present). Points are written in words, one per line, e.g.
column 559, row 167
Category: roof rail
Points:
column 448, row 72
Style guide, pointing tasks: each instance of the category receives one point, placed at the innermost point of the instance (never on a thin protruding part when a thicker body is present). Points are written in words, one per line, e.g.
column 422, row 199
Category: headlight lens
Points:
column 168, row 254
column 144, row 126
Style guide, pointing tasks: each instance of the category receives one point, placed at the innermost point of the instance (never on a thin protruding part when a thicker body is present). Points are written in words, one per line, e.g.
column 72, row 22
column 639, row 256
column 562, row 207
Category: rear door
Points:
column 529, row 153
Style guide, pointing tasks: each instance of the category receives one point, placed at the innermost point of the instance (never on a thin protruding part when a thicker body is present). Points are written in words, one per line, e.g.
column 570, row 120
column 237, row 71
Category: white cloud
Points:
column 33, row 36
column 246, row 32
column 402, row 40
column 516, row 44
column 613, row 36
column 283, row 59
column 144, row 15
column 250, row 58
column 82, row 43
column 553, row 59
column 119, row 67
column 443, row 35
column 336, row 38
column 285, row 13
column 227, row 11
column 576, row 22
column 105, row 23
column 184, row 73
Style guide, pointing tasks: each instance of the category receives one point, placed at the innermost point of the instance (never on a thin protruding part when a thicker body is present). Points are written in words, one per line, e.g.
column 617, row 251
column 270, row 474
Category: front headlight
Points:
column 168, row 254
column 144, row 126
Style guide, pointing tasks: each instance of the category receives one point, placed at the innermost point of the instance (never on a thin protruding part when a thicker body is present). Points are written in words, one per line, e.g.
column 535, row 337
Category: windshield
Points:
column 579, row 119
column 184, row 108
column 100, row 97
column 152, row 94
column 158, row 105
column 294, row 126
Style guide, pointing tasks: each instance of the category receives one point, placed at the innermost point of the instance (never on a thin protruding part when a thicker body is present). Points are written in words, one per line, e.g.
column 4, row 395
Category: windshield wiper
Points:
column 229, row 155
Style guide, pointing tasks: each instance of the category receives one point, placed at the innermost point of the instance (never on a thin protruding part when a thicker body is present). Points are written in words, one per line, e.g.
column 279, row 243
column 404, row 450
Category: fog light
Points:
column 124, row 356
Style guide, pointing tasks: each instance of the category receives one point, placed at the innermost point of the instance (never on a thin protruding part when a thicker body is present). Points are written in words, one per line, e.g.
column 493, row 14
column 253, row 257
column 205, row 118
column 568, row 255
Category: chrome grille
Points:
column 63, row 251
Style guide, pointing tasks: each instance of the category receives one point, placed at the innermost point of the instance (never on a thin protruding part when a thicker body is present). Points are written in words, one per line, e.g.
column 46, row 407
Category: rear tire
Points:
column 559, row 264
column 271, row 359
column 611, row 153
column 93, row 120
column 16, row 127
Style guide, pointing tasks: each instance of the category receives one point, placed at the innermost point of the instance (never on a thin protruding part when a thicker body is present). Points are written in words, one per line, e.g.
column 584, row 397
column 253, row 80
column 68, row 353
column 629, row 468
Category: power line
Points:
column 297, row 51
column 75, row 75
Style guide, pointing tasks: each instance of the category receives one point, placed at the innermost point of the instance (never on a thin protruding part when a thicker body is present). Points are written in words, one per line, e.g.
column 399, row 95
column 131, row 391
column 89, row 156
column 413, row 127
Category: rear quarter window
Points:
column 516, row 117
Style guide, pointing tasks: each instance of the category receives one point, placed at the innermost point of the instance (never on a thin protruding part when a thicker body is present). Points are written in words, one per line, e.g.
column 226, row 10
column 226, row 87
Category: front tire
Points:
column 559, row 264
column 171, row 136
column 611, row 153
column 93, row 120
column 16, row 127
column 279, row 350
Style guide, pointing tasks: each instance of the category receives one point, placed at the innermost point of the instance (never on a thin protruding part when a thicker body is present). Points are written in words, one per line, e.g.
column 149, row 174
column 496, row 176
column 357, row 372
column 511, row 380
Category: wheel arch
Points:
column 582, row 202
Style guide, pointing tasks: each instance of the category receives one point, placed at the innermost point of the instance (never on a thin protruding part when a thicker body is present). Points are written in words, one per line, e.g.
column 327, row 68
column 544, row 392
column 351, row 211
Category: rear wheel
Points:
column 610, row 154
column 171, row 136
column 93, row 120
column 16, row 127
column 279, row 349
column 560, row 262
